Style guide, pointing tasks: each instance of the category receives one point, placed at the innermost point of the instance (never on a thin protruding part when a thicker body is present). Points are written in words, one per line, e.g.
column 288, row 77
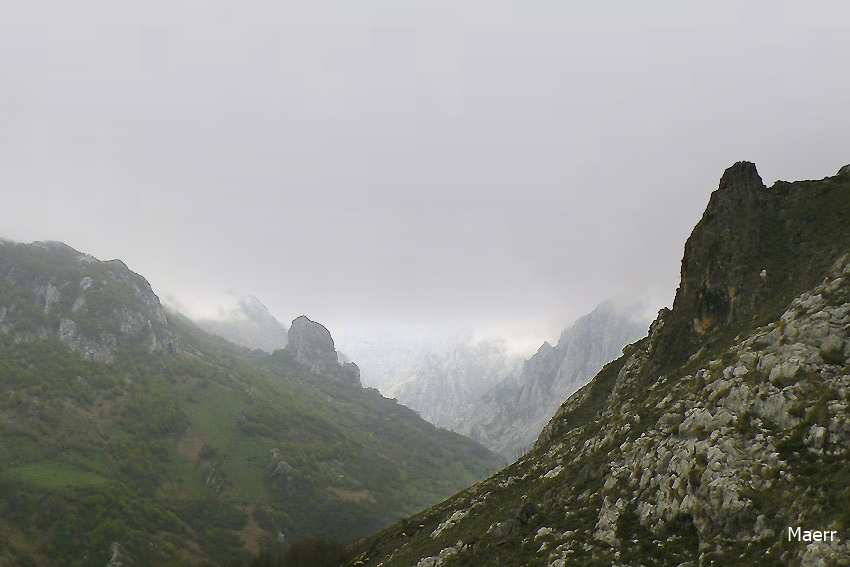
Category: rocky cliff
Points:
column 48, row 290
column 708, row 439
column 751, row 248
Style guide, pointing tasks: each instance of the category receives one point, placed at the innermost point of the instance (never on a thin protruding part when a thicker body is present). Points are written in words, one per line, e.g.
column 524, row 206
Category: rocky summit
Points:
column 311, row 345
column 721, row 438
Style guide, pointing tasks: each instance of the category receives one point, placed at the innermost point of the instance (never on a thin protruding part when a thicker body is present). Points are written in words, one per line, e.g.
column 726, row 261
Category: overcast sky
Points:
column 500, row 164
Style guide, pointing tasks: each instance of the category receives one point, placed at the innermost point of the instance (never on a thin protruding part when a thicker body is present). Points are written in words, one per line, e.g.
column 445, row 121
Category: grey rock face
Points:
column 312, row 346
column 92, row 307
column 722, row 257
column 118, row 555
column 724, row 434
column 311, row 343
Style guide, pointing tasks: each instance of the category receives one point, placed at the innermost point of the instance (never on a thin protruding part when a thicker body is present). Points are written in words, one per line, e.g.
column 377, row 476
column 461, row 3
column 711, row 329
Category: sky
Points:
column 500, row 165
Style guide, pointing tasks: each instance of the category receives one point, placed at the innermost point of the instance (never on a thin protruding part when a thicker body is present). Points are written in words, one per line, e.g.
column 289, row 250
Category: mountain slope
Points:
column 708, row 439
column 128, row 434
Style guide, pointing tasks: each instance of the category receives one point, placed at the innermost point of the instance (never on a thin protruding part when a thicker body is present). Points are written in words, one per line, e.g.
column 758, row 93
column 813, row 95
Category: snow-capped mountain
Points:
column 484, row 390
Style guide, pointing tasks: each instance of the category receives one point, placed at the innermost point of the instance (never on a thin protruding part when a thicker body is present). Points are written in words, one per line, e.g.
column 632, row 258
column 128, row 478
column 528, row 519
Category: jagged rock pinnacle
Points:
column 719, row 285
column 741, row 175
column 312, row 345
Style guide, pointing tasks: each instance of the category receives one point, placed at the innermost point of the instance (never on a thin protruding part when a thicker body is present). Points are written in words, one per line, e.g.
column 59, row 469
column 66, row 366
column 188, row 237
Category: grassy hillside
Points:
column 203, row 454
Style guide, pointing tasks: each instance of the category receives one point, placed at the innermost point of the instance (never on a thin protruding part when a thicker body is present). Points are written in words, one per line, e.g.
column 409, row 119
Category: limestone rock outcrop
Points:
column 51, row 291
column 312, row 346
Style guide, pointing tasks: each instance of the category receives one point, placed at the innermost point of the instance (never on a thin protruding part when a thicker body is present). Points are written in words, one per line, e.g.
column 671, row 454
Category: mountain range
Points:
column 129, row 436
column 510, row 416
column 440, row 375
column 484, row 390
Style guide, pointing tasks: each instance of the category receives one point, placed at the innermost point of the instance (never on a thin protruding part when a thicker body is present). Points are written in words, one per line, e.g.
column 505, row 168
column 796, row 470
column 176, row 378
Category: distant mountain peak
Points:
column 244, row 320
column 508, row 418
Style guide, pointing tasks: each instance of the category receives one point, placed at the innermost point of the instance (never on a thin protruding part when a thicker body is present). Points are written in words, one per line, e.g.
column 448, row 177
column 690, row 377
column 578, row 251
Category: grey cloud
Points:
column 502, row 162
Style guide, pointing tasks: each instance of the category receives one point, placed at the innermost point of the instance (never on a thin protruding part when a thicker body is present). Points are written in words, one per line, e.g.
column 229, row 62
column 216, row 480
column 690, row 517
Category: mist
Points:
column 377, row 164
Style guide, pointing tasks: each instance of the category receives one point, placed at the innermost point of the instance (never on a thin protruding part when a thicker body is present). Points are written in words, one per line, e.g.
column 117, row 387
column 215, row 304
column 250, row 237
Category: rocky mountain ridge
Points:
column 708, row 439
column 482, row 390
column 508, row 418
column 49, row 290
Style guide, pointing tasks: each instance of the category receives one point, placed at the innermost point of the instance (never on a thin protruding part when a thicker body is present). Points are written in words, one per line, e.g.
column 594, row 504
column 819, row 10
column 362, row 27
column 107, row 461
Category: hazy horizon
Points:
column 376, row 165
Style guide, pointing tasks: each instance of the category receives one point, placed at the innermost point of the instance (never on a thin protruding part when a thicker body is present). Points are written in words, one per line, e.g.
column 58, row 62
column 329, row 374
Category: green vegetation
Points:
column 196, row 446
column 54, row 475
column 206, row 455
